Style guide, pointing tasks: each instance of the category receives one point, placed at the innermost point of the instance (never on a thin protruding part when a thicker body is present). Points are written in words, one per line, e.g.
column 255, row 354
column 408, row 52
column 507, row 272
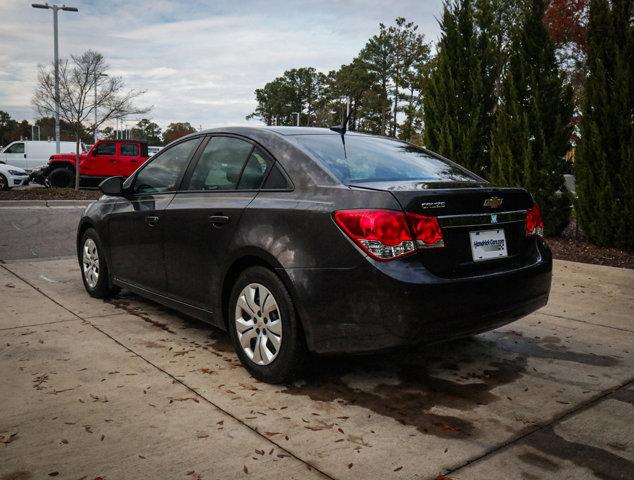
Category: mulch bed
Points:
column 585, row 252
column 49, row 194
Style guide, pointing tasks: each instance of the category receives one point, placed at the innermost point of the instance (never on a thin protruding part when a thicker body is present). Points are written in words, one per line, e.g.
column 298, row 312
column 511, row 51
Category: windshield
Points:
column 375, row 159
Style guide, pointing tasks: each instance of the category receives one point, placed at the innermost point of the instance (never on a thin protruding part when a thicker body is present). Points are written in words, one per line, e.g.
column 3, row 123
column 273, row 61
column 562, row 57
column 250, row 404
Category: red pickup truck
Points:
column 106, row 158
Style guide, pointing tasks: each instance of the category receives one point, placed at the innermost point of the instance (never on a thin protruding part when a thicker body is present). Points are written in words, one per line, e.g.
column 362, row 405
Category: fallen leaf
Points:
column 7, row 437
column 245, row 469
column 350, row 466
column 398, row 468
column 53, row 474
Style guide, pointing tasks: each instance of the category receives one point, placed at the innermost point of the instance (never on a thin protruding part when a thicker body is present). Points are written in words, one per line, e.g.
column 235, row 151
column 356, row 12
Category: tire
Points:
column 93, row 266
column 279, row 325
column 4, row 183
column 61, row 178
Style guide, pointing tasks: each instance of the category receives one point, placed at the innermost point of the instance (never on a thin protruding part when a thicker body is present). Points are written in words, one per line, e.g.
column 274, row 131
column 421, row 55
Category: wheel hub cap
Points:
column 90, row 263
column 258, row 324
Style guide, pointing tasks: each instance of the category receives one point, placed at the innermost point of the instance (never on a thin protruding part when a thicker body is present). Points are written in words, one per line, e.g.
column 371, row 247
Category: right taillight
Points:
column 426, row 230
column 386, row 234
column 534, row 222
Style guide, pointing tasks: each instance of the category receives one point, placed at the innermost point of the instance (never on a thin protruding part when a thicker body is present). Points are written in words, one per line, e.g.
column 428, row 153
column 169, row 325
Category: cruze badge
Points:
column 493, row 202
column 433, row 205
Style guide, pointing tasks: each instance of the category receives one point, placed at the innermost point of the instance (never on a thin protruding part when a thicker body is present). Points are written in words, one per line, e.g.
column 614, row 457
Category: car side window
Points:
column 105, row 149
column 220, row 164
column 254, row 171
column 276, row 180
column 129, row 150
column 15, row 148
column 164, row 171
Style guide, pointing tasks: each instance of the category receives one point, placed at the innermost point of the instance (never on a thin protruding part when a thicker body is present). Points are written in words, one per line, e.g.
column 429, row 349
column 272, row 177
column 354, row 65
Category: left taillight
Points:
column 534, row 222
column 387, row 234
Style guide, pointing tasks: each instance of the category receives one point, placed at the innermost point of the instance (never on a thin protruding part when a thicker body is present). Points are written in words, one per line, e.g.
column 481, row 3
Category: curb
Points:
column 45, row 203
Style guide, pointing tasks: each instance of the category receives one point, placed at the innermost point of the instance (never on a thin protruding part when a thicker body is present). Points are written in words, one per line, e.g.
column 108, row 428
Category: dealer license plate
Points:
column 488, row 244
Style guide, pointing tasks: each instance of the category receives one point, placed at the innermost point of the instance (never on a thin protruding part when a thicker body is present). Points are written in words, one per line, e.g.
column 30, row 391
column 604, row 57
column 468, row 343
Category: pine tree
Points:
column 533, row 122
column 604, row 165
column 459, row 98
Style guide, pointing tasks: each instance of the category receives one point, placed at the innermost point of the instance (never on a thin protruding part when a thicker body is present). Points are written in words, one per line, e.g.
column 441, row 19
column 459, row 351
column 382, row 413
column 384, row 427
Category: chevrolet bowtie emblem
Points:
column 493, row 202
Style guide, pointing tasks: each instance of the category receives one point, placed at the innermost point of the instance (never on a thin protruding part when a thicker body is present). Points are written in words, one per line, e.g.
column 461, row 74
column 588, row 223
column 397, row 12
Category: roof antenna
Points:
column 341, row 129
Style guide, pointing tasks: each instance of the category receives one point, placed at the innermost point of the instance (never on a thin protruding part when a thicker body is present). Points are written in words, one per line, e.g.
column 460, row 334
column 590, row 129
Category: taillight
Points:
column 534, row 222
column 386, row 234
column 426, row 230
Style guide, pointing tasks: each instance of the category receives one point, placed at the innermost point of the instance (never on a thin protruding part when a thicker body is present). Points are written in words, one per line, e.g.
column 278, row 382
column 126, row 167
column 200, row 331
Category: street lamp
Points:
column 55, row 9
column 96, row 80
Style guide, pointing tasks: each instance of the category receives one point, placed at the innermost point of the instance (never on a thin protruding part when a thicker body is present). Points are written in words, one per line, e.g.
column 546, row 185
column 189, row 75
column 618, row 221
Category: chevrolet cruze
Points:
column 300, row 240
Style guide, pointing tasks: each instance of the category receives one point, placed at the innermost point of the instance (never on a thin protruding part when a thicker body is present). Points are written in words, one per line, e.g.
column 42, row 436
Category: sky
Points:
column 199, row 61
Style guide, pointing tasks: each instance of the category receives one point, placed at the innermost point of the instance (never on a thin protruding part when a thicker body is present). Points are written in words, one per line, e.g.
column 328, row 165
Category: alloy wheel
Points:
column 90, row 262
column 258, row 324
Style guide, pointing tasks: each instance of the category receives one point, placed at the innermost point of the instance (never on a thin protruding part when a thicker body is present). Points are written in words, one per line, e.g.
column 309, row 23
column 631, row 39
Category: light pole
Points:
column 55, row 8
column 97, row 75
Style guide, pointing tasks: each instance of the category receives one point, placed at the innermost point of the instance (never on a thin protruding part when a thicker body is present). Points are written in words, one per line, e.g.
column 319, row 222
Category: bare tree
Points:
column 79, row 105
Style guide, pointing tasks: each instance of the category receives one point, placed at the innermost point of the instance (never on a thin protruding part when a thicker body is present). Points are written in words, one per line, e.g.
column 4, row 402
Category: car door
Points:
column 101, row 160
column 128, row 159
column 135, row 224
column 15, row 154
column 202, row 218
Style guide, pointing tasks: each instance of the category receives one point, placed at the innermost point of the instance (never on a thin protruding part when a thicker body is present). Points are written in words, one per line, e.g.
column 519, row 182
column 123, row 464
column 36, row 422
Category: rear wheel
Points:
column 264, row 327
column 61, row 178
column 4, row 183
column 94, row 268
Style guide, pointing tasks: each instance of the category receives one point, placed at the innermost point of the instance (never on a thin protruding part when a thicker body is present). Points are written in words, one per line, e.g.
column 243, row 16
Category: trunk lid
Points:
column 462, row 208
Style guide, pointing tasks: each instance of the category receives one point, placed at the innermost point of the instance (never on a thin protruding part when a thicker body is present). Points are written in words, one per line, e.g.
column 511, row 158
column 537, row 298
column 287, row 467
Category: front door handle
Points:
column 152, row 220
column 218, row 220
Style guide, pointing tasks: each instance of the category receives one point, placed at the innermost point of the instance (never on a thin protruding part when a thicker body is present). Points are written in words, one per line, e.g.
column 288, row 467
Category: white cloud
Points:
column 198, row 61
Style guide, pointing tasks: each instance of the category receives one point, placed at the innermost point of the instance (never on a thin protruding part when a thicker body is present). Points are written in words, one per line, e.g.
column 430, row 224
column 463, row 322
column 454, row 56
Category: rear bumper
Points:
column 379, row 306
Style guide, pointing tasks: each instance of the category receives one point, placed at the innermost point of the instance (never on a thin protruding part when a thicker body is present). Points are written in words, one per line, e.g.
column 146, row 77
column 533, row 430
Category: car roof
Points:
column 285, row 131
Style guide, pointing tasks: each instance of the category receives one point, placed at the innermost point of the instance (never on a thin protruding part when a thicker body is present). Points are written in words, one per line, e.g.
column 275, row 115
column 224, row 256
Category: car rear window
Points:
column 356, row 158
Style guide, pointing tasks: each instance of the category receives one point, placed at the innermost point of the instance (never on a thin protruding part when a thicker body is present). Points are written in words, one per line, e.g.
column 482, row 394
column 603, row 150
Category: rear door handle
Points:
column 218, row 220
column 152, row 220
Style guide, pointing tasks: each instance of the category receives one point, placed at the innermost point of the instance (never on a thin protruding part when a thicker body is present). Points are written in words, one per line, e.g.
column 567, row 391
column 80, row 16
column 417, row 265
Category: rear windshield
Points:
column 374, row 159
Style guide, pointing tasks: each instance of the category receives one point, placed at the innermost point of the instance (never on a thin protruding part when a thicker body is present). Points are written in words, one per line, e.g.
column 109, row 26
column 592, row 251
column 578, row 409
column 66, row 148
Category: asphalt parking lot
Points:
column 128, row 389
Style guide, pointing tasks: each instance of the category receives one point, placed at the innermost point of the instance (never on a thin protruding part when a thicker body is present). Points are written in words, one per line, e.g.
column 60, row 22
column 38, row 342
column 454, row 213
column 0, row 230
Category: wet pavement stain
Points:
column 603, row 464
column 547, row 347
column 414, row 392
column 219, row 344
column 127, row 306
column 540, row 461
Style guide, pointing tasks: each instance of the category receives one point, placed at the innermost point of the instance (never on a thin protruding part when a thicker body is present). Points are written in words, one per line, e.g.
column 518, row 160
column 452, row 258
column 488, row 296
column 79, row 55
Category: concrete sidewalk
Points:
column 128, row 389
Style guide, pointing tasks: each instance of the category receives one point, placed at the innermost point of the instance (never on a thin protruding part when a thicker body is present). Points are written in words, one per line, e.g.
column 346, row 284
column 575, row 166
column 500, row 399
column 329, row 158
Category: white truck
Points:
column 31, row 154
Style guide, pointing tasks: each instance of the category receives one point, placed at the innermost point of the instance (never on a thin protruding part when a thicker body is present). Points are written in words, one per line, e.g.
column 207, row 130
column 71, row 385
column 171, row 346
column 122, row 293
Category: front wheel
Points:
column 61, row 178
column 264, row 327
column 4, row 183
column 94, row 268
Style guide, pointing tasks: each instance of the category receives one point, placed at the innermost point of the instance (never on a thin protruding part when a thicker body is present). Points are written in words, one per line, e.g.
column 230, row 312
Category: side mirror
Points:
column 112, row 186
